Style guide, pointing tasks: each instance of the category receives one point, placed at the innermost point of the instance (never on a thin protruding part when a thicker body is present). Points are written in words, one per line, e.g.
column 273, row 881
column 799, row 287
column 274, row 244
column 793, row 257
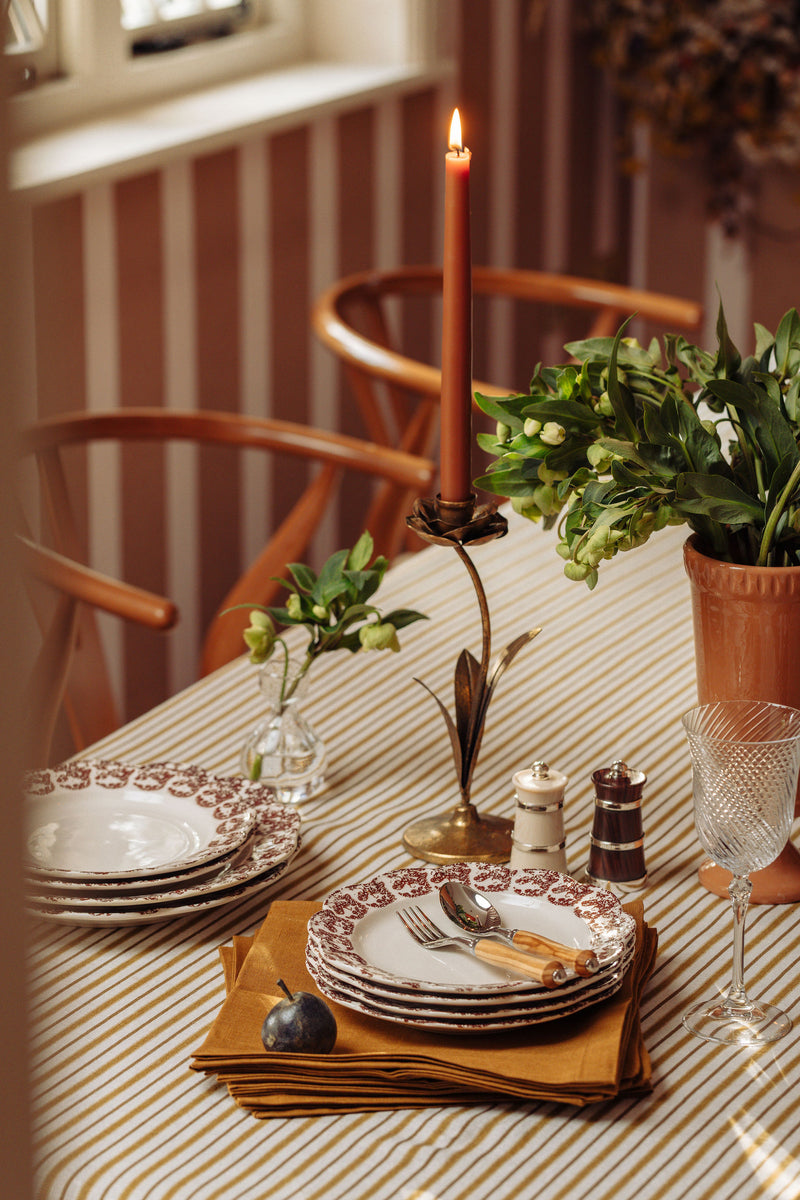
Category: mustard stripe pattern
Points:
column 119, row 1011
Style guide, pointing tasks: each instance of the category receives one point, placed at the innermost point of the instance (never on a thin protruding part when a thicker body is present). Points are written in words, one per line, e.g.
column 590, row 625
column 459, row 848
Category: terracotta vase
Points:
column 747, row 647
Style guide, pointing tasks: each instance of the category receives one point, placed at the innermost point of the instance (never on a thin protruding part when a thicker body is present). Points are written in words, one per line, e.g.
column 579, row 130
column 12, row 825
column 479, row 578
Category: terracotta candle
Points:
column 456, row 414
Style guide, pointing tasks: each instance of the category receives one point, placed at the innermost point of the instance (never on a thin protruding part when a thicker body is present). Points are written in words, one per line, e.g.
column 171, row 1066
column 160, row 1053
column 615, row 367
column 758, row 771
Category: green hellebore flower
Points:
column 259, row 637
column 503, row 432
column 548, row 476
column 598, row 456
column 575, row 570
column 552, row 433
column 531, row 427
column 546, row 500
column 526, row 507
column 379, row 636
column 320, row 612
column 604, row 406
column 294, row 606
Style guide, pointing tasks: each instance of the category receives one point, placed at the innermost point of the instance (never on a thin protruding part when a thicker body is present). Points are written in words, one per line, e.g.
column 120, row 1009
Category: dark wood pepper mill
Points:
column 616, row 843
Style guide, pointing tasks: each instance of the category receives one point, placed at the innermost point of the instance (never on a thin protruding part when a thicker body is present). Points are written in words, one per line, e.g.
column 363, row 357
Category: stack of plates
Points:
column 360, row 955
column 112, row 843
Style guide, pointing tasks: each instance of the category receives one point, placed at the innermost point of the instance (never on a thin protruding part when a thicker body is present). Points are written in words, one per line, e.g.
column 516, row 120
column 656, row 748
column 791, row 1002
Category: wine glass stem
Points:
column 739, row 890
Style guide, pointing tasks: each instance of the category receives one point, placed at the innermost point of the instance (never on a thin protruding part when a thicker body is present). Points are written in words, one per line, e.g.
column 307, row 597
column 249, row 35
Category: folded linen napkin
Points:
column 591, row 1056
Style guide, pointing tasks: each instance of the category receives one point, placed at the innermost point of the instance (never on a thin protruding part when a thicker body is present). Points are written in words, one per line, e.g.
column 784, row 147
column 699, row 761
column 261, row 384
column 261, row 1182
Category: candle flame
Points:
column 455, row 132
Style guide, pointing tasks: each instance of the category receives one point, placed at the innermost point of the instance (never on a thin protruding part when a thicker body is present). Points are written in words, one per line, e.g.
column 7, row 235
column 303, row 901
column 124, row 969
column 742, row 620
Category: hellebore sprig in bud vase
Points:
column 333, row 607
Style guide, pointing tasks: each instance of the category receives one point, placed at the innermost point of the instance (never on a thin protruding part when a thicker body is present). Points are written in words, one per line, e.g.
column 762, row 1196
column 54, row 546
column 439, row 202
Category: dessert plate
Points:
column 147, row 914
column 358, row 932
column 98, row 820
column 275, row 839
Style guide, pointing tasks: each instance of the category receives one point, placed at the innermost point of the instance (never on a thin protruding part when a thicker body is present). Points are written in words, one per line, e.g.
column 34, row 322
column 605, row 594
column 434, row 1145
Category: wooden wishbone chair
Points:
column 332, row 454
column 350, row 318
column 71, row 584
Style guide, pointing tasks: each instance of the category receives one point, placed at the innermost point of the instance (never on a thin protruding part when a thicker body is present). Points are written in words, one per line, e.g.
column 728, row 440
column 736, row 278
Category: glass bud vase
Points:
column 283, row 751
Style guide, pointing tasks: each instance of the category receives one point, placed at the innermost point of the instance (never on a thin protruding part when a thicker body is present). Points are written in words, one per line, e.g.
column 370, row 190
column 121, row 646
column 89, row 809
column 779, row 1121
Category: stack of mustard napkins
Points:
column 591, row 1056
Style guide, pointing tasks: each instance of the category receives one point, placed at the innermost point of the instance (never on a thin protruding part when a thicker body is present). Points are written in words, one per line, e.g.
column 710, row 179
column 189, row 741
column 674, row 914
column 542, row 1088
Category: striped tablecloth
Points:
column 118, row 1012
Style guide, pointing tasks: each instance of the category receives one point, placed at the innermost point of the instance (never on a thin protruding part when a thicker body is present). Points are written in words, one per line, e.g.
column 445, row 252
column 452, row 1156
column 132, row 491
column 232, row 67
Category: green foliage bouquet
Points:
column 628, row 439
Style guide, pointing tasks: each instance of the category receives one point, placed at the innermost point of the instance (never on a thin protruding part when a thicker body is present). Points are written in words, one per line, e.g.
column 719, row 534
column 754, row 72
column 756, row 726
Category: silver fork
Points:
column 549, row 972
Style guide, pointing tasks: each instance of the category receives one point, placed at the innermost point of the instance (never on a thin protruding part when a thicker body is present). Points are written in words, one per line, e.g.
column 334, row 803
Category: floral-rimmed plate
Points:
column 439, row 1001
column 149, row 914
column 469, row 1008
column 466, row 1024
column 97, row 819
column 275, row 838
column 358, row 931
column 146, row 883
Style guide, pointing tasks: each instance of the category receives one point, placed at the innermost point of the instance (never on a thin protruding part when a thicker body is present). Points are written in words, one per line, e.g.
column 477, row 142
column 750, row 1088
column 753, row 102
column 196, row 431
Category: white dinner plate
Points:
column 93, row 819
column 438, row 1000
column 275, row 838
column 148, row 914
column 483, row 1009
column 148, row 883
column 358, row 930
column 466, row 1024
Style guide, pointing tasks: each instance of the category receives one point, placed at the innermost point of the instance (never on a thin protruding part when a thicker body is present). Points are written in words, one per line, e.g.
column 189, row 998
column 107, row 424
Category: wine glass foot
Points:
column 752, row 1024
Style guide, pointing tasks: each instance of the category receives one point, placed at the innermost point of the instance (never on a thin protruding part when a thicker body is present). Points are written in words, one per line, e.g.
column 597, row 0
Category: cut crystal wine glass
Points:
column 745, row 760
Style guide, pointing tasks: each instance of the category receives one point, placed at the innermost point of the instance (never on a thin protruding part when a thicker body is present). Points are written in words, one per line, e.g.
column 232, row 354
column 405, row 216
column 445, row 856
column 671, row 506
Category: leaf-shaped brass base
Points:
column 462, row 835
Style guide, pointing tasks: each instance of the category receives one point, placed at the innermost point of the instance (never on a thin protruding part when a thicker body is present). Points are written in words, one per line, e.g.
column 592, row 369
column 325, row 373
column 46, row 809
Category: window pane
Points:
column 141, row 14
column 26, row 23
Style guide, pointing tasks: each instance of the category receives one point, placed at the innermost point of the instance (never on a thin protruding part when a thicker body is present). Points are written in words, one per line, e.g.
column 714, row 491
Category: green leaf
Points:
column 502, row 410
column 507, row 483
column 303, row 576
column 728, row 357
column 363, row 584
column 760, row 412
column 588, row 349
column 781, row 477
column 716, row 497
column 361, row 553
column 569, row 413
column 787, row 343
column 330, row 583
column 401, row 617
column 764, row 342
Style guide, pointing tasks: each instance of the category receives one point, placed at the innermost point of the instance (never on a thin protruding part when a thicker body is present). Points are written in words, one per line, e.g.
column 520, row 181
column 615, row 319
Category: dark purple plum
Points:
column 300, row 1024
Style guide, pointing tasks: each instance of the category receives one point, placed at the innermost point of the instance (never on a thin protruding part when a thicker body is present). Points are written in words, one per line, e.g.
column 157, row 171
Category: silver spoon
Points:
column 475, row 913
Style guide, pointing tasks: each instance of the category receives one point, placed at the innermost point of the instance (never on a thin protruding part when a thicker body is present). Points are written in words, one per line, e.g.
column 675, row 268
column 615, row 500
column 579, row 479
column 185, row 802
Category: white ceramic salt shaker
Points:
column 537, row 839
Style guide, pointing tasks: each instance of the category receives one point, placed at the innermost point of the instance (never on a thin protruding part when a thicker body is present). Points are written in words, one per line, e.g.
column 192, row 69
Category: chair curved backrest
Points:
column 331, row 454
column 398, row 395
column 71, row 584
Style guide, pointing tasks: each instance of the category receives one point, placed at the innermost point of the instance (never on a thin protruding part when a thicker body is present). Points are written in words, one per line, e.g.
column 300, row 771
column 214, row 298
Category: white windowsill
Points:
column 147, row 137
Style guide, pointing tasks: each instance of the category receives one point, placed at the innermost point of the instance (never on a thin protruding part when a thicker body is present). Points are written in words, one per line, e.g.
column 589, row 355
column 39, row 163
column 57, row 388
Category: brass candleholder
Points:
column 463, row 834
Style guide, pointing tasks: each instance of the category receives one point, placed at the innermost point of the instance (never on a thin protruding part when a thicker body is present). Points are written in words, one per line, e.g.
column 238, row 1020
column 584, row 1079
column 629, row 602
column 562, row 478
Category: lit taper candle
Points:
column 456, row 403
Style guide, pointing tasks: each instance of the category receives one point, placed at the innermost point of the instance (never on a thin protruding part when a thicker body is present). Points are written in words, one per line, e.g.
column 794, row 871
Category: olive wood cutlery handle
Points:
column 544, row 970
column 583, row 962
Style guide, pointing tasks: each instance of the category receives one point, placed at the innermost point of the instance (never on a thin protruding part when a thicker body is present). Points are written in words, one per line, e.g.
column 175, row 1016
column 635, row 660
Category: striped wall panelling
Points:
column 190, row 286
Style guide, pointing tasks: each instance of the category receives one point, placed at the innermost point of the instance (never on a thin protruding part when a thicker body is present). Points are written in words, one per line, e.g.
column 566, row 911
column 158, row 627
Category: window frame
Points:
column 99, row 77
